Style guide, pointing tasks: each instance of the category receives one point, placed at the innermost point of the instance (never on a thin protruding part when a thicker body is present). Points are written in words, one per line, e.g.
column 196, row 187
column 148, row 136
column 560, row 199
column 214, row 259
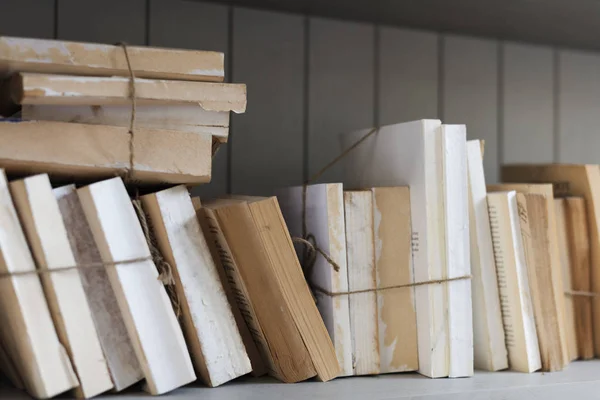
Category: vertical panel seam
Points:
column 441, row 43
column 500, row 66
column 555, row 104
column 306, row 99
column 55, row 16
column 147, row 26
column 230, row 152
column 376, row 74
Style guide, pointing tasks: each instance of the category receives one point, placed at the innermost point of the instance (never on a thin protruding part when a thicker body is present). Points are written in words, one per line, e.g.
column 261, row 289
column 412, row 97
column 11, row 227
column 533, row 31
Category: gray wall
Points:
column 310, row 79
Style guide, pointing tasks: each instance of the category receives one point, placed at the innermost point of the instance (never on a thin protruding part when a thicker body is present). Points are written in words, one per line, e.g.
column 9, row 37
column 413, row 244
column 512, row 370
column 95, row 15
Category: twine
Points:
column 581, row 293
column 133, row 98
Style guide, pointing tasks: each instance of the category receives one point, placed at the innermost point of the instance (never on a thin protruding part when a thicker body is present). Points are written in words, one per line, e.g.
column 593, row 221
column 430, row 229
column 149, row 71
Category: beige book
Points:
column 26, row 88
column 583, row 180
column 394, row 267
column 258, row 291
column 121, row 359
column 325, row 223
column 223, row 260
column 60, row 57
column 540, row 242
column 179, row 117
column 360, row 246
column 149, row 317
column 579, row 254
column 26, row 328
column 565, row 261
column 488, row 334
column 49, row 242
column 97, row 152
column 211, row 332
column 509, row 231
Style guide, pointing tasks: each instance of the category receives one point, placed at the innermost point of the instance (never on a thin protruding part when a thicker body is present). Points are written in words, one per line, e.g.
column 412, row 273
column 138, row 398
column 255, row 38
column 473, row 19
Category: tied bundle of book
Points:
column 153, row 115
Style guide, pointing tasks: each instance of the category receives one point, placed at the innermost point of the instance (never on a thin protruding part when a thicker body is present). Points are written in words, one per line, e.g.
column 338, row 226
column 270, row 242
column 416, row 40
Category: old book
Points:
column 26, row 327
column 509, row 229
column 360, row 247
column 97, row 152
column 583, row 180
column 325, row 223
column 149, row 317
column 62, row 57
column 545, row 272
column 223, row 260
column 121, row 359
column 488, row 334
column 44, row 89
column 211, row 333
column 49, row 242
column 412, row 154
column 565, row 261
column 179, row 117
column 258, row 292
column 579, row 261
column 394, row 267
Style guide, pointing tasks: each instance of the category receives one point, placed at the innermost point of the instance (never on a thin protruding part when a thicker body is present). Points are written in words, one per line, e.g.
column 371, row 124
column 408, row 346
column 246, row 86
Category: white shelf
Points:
column 581, row 380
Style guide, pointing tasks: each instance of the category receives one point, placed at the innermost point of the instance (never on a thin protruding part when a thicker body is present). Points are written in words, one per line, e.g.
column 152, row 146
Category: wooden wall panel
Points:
column 27, row 18
column 579, row 107
column 408, row 75
column 106, row 21
column 197, row 26
column 267, row 143
column 341, row 88
column 527, row 104
column 470, row 92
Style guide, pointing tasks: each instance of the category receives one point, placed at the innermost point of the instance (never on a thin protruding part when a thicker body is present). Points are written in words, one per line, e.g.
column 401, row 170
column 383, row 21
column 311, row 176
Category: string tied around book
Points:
column 133, row 98
column 581, row 293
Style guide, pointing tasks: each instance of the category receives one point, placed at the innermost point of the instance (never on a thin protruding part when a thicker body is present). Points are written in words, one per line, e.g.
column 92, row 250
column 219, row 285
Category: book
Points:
column 509, row 230
column 544, row 269
column 222, row 258
column 27, row 88
column 98, row 152
column 412, row 154
column 215, row 344
column 258, row 292
column 179, row 117
column 393, row 263
column 489, row 343
column 27, row 331
column 325, row 222
column 60, row 57
column 360, row 247
column 117, row 347
column 579, row 261
column 147, row 310
column 584, row 181
column 565, row 261
column 49, row 242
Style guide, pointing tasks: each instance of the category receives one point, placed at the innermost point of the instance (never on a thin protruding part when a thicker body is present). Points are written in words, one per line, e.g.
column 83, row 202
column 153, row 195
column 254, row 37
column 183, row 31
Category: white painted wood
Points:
column 149, row 316
column 527, row 103
column 45, row 230
column 408, row 75
column 199, row 26
column 325, row 222
column 212, row 335
column 579, row 95
column 27, row 18
column 109, row 21
column 267, row 141
column 341, row 88
column 458, row 264
column 470, row 83
column 360, row 246
column 488, row 332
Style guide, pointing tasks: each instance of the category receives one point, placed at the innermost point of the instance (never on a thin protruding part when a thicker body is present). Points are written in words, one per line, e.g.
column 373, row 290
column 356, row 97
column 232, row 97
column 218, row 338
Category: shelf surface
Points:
column 581, row 380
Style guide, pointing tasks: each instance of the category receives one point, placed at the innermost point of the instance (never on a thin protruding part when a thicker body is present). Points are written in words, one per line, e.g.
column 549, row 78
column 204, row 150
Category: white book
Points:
column 409, row 154
column 27, row 331
column 325, row 221
column 213, row 338
column 490, row 352
column 49, row 242
column 149, row 315
column 513, row 283
column 458, row 264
